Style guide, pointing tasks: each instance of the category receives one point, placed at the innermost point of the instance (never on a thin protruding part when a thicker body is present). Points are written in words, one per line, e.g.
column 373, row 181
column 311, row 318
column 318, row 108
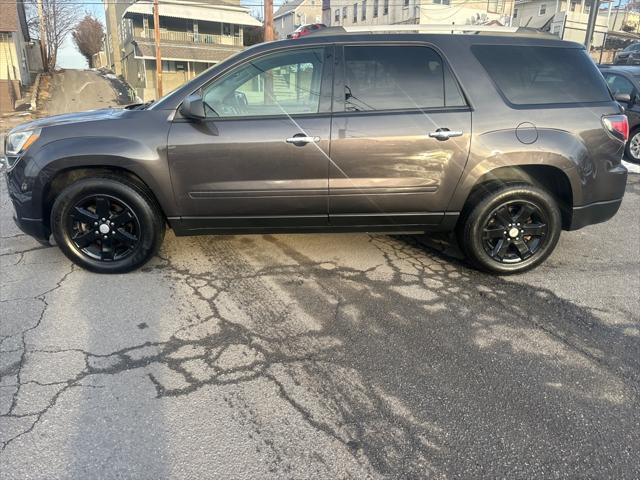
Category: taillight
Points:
column 617, row 125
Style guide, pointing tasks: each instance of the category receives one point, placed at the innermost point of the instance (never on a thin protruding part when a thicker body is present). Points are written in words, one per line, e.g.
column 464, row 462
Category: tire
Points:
column 130, row 234
column 633, row 145
column 493, row 239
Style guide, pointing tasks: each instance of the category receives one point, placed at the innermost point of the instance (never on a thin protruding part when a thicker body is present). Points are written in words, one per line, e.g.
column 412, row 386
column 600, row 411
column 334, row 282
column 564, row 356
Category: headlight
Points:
column 17, row 143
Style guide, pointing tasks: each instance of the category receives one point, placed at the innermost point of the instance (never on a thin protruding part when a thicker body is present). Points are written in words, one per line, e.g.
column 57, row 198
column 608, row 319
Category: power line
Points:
column 345, row 3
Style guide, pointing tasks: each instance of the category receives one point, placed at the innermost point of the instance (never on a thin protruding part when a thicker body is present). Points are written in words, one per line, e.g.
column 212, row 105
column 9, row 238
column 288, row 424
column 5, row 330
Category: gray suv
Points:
column 504, row 140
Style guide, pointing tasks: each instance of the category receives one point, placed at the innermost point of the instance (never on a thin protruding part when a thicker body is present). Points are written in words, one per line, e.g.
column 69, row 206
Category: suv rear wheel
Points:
column 107, row 224
column 510, row 230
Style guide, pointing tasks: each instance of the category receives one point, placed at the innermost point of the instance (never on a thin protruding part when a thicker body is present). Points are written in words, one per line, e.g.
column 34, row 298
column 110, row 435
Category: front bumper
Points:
column 27, row 214
column 596, row 212
column 33, row 227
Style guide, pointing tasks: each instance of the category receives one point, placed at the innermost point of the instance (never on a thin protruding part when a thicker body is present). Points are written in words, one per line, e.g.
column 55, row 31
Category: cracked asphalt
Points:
column 322, row 356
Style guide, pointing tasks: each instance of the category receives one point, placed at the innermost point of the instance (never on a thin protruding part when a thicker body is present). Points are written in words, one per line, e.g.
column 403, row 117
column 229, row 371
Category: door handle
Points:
column 300, row 140
column 445, row 134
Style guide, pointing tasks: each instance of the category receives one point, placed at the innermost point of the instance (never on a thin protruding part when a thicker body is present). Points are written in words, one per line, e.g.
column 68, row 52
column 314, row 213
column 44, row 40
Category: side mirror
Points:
column 193, row 107
column 622, row 97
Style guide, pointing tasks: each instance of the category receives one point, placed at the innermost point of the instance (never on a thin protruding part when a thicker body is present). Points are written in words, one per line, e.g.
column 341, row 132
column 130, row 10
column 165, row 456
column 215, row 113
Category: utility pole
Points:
column 615, row 18
column 43, row 37
column 268, row 37
column 591, row 24
column 268, row 20
column 156, row 32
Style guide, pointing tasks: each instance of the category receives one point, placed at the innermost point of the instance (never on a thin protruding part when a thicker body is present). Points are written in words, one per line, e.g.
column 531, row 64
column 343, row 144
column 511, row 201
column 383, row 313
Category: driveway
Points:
column 322, row 356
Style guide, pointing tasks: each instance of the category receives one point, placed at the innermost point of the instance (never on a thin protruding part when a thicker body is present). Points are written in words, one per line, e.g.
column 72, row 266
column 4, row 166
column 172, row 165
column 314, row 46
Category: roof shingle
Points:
column 211, row 53
column 9, row 17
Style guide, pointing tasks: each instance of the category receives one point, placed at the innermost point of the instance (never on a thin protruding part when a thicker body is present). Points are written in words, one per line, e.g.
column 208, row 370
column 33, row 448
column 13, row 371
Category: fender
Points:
column 84, row 152
column 548, row 147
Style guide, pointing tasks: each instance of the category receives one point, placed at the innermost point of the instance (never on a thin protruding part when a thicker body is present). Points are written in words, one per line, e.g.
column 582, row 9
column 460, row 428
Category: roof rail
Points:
column 426, row 28
column 442, row 29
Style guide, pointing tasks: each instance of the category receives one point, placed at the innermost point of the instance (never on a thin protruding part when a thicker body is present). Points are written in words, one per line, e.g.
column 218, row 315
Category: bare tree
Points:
column 88, row 36
column 59, row 17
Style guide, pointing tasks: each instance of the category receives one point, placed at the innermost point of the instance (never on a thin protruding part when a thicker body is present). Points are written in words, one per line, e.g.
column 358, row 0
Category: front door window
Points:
column 285, row 83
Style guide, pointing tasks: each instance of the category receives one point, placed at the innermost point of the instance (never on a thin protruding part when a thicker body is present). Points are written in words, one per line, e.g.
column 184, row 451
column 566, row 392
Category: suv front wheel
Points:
column 107, row 224
column 510, row 230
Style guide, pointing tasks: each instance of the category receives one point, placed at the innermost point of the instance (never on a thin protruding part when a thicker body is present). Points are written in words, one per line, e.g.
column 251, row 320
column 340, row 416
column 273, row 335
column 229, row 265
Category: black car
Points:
column 623, row 81
column 504, row 140
column 628, row 56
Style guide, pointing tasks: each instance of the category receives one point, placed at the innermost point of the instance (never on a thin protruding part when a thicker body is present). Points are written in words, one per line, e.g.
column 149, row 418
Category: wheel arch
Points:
column 67, row 176
column 550, row 178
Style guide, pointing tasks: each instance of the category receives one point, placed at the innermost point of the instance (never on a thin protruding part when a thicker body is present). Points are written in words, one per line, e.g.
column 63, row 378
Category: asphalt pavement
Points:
column 322, row 356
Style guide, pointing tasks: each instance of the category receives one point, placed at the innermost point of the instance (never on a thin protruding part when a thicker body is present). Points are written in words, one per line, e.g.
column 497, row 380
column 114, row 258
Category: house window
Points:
column 406, row 3
column 515, row 13
column 344, row 12
column 375, row 8
column 168, row 66
column 441, row 2
column 385, row 7
column 337, row 17
column 355, row 13
column 226, row 29
column 364, row 10
column 495, row 6
column 543, row 9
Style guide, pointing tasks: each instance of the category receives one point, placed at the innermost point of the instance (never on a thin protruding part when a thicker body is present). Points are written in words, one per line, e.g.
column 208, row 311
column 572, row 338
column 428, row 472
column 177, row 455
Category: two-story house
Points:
column 114, row 33
column 565, row 18
column 14, row 63
column 193, row 37
column 432, row 12
column 294, row 13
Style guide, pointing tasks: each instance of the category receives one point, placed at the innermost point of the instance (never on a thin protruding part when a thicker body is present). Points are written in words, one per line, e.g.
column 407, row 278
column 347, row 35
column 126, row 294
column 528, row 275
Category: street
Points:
column 319, row 356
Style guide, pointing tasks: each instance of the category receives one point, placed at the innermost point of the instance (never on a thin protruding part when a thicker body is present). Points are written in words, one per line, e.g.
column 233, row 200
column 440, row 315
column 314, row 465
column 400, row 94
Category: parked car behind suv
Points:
column 629, row 56
column 505, row 140
column 304, row 30
column 624, row 83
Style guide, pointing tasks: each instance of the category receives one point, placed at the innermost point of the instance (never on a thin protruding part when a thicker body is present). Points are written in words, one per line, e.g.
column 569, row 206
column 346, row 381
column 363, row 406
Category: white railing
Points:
column 190, row 37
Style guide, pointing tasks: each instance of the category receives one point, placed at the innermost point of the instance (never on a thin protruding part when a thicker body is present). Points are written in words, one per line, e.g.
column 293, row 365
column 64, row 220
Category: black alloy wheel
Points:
column 514, row 231
column 103, row 227
column 107, row 223
column 510, row 228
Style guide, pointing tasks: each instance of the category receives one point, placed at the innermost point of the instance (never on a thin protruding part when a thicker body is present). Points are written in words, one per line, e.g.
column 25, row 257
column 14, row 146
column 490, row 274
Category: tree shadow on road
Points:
column 418, row 364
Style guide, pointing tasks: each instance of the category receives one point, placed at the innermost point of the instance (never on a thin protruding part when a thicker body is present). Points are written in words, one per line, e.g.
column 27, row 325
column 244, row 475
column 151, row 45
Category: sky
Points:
column 69, row 57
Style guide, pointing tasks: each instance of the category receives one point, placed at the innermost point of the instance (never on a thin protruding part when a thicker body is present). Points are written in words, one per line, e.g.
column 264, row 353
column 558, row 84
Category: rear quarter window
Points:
column 542, row 75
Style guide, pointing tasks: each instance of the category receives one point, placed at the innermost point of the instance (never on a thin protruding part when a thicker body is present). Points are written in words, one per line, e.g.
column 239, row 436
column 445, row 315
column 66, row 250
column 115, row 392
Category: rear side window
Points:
column 542, row 75
column 397, row 78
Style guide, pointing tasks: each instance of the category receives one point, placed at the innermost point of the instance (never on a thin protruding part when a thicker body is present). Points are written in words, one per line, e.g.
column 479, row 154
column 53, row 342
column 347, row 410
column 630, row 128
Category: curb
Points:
column 631, row 167
column 34, row 94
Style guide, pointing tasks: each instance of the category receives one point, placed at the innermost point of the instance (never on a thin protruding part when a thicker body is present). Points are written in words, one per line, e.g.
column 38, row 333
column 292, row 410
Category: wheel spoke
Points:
column 106, row 252
column 121, row 218
column 523, row 249
column 534, row 229
column 490, row 233
column 103, row 207
column 524, row 213
column 83, row 215
column 503, row 216
column 83, row 240
column 500, row 249
column 125, row 237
